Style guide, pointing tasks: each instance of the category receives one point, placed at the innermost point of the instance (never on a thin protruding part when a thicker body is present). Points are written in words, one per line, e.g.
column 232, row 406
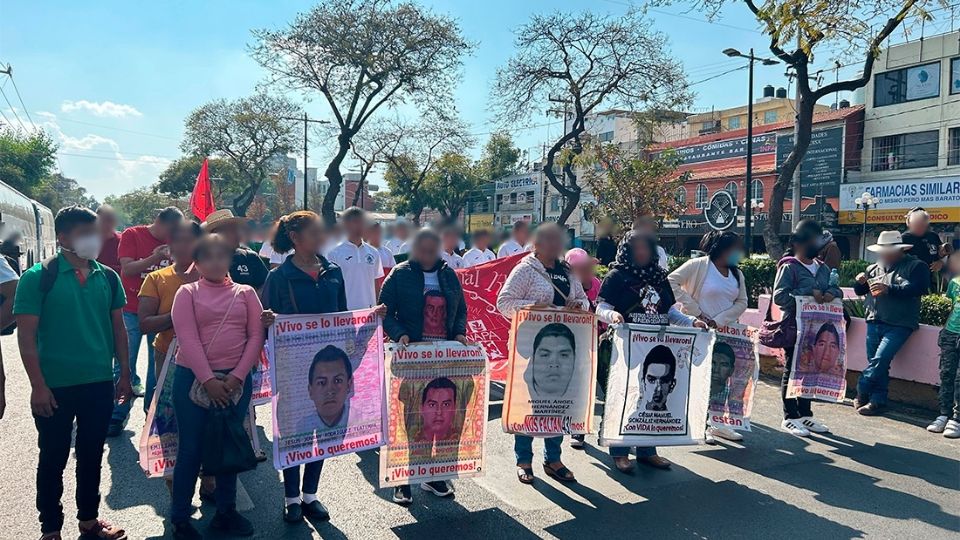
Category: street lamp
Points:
column 733, row 53
column 866, row 202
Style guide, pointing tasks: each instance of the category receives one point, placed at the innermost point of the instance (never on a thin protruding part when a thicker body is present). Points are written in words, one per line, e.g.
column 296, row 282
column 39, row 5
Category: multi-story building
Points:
column 773, row 108
column 911, row 139
column 518, row 198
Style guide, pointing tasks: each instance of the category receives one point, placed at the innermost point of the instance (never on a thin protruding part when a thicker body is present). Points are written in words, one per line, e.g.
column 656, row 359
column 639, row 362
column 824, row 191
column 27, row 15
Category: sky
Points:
column 113, row 81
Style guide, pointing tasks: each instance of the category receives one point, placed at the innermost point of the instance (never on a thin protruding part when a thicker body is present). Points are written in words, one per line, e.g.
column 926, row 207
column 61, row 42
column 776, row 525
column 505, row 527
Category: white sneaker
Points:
column 726, row 433
column 952, row 431
column 794, row 427
column 814, row 426
column 938, row 425
column 709, row 438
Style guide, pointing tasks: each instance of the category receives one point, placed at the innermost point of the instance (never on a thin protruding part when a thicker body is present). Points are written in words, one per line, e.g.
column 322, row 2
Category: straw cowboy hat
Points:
column 220, row 218
column 889, row 241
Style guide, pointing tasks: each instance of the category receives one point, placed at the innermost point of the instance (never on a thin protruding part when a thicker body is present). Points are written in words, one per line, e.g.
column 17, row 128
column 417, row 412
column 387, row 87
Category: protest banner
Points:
column 733, row 377
column 327, row 374
column 485, row 324
column 552, row 378
column 262, row 387
column 159, row 438
column 436, row 413
column 658, row 387
column 820, row 357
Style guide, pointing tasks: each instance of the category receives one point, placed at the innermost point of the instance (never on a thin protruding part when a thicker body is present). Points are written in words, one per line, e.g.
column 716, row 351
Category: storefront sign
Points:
column 480, row 221
column 765, row 143
column 923, row 81
column 822, row 167
column 721, row 213
column 939, row 196
column 517, row 182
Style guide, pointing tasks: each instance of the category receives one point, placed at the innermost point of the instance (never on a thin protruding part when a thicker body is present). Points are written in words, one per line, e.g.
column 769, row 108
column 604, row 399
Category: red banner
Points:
column 485, row 324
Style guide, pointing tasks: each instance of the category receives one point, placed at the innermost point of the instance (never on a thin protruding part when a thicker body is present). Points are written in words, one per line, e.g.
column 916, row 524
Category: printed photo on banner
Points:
column 262, row 388
column 552, row 379
column 820, row 357
column 327, row 375
column 159, row 438
column 658, row 387
column 436, row 413
column 733, row 376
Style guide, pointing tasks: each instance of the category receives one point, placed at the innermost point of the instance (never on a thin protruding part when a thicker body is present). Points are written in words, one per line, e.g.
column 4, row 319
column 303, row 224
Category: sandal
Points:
column 525, row 474
column 562, row 474
column 623, row 464
column 103, row 530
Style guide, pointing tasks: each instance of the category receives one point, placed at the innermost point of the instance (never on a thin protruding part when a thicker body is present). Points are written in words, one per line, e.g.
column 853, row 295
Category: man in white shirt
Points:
column 517, row 242
column 267, row 252
column 647, row 226
column 480, row 252
column 359, row 261
column 374, row 236
column 448, row 252
column 399, row 243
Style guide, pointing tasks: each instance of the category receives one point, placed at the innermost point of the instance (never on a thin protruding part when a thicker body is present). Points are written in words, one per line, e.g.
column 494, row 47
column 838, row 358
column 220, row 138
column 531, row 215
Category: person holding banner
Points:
column 800, row 273
column 636, row 291
column 220, row 335
column 305, row 283
column 542, row 280
column 424, row 301
column 714, row 290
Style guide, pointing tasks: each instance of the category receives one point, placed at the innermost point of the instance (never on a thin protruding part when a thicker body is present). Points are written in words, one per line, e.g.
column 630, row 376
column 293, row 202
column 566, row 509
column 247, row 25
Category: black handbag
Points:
column 226, row 447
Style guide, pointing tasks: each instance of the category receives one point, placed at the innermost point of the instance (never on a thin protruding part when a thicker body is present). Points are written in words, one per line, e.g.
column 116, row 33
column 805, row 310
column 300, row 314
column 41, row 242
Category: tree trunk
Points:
column 242, row 202
column 356, row 194
column 570, row 193
column 335, row 178
column 782, row 187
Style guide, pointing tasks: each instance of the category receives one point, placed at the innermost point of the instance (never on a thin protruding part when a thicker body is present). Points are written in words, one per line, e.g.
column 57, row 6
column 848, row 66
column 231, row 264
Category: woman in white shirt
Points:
column 713, row 289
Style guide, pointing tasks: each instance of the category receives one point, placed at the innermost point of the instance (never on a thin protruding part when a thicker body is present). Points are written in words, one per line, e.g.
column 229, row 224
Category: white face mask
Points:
column 87, row 247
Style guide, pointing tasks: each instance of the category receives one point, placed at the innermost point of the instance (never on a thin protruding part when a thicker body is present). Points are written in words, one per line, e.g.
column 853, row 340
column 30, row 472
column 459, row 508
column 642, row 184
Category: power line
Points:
column 25, row 110
column 13, row 110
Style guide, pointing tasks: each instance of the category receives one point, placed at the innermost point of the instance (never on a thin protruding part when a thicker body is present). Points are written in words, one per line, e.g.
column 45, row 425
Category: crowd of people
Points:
column 82, row 317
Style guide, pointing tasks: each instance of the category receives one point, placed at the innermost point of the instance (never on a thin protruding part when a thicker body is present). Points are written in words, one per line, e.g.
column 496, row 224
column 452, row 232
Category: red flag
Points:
column 485, row 325
column 201, row 200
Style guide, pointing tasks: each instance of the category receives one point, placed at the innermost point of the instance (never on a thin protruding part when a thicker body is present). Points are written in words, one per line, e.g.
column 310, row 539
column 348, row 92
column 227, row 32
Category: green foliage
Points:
column 500, row 156
column 58, row 191
column 26, row 158
column 758, row 274
column 935, row 309
column 178, row 179
column 849, row 271
column 451, row 183
column 676, row 262
column 602, row 271
column 855, row 307
column 140, row 206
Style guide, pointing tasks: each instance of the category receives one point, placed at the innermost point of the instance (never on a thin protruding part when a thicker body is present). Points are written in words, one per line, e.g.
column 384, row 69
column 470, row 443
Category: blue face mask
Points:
column 734, row 258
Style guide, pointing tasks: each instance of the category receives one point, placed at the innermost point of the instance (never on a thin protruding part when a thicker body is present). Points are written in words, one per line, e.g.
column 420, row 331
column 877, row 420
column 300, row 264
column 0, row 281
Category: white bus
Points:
column 32, row 220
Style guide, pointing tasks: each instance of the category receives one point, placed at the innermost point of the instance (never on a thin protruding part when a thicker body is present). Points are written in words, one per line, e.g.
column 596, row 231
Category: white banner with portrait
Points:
column 658, row 387
column 820, row 357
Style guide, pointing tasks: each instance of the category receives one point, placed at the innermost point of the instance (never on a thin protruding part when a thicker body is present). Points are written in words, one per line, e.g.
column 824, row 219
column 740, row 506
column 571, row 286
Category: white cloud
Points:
column 105, row 108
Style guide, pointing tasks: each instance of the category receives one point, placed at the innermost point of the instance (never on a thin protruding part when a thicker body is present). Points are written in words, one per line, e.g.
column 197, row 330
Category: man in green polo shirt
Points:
column 70, row 325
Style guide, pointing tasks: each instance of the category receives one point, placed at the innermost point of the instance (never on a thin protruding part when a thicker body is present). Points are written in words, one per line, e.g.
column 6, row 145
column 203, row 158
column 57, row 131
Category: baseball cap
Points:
column 578, row 256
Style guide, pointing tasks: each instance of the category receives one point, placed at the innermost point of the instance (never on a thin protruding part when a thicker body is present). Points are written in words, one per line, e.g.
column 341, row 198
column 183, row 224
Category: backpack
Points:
column 51, row 268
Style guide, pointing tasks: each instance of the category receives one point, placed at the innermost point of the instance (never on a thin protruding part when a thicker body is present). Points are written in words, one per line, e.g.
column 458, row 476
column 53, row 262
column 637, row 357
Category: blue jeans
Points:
column 191, row 423
column 883, row 343
column 311, row 479
column 624, row 451
column 132, row 324
column 523, row 448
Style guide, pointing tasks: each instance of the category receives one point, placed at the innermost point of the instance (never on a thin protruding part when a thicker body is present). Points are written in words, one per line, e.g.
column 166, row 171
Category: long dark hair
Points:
column 716, row 243
column 291, row 223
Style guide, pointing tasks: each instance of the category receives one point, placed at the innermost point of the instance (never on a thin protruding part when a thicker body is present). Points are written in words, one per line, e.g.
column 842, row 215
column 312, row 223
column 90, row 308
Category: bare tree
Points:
column 854, row 29
column 362, row 55
column 585, row 61
column 369, row 148
column 245, row 132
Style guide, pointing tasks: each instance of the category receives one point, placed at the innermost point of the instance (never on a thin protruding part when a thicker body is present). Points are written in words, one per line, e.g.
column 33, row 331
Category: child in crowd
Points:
column 948, row 422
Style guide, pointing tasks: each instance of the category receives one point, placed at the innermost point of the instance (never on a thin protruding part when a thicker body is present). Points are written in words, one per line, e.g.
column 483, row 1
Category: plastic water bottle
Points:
column 834, row 278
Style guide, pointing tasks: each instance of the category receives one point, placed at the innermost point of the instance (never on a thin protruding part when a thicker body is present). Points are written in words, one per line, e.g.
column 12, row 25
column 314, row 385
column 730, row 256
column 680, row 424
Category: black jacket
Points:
column 402, row 293
column 289, row 290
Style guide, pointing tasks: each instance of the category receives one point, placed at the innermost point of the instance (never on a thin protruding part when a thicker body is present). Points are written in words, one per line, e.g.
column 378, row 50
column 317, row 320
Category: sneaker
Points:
column 402, row 495
column 232, row 523
column 316, row 510
column 726, row 433
column 938, row 425
column 261, row 456
column 952, row 431
column 440, row 488
column 795, row 428
column 293, row 513
column 576, row 442
column 186, row 531
column 114, row 429
column 138, row 390
column 871, row 409
column 813, row 426
column 709, row 438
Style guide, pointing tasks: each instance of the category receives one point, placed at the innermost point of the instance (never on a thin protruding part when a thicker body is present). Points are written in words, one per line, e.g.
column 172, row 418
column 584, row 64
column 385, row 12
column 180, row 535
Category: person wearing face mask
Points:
column 70, row 329
column 714, row 290
column 305, row 283
column 800, row 273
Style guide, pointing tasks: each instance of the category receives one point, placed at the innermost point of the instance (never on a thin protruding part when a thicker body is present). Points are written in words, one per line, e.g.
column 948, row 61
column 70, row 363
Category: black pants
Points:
column 793, row 408
column 91, row 406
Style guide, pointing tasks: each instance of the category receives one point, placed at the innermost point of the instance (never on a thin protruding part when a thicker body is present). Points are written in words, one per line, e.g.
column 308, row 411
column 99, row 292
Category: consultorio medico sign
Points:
column 940, row 197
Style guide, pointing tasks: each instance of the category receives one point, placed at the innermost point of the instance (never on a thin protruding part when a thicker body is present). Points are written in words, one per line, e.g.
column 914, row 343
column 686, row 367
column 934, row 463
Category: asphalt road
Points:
column 880, row 478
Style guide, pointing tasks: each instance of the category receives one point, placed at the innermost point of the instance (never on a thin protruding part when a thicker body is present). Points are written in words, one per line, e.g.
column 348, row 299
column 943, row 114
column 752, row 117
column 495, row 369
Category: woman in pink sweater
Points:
column 218, row 328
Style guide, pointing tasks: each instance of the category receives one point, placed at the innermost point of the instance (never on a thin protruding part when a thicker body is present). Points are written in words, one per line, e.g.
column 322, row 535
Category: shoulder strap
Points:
column 49, row 269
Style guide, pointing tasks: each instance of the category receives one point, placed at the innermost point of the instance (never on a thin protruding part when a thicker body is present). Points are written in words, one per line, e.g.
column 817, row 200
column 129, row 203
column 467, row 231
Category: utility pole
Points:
column 797, row 189
column 306, row 121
